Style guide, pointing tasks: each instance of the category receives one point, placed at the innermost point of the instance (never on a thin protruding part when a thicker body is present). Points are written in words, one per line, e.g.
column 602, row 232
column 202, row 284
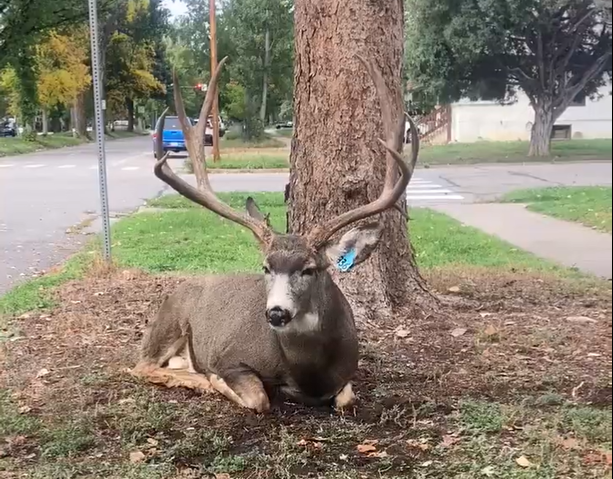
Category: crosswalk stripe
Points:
column 435, row 197
column 6, row 166
column 63, row 167
column 33, row 166
column 428, row 192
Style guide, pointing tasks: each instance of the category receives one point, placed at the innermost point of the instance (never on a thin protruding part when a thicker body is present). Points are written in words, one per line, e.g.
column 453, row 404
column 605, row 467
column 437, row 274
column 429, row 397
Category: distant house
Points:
column 468, row 121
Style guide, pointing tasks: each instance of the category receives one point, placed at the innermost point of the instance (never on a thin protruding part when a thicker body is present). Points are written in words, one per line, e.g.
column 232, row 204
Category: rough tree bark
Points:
column 130, row 110
column 80, row 120
column 336, row 161
column 540, row 137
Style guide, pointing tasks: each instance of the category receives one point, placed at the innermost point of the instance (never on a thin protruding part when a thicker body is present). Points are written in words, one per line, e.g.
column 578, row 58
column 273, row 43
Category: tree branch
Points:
column 578, row 83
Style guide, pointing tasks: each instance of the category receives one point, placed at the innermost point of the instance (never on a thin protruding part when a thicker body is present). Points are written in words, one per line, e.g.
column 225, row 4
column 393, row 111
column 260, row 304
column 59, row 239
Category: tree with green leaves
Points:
column 552, row 50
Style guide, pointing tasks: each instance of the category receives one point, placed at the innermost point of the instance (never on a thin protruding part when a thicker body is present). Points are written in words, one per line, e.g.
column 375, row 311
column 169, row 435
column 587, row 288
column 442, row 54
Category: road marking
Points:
column 429, row 192
column 33, row 166
column 63, row 167
column 130, row 168
column 120, row 162
column 423, row 185
column 435, row 197
column 6, row 166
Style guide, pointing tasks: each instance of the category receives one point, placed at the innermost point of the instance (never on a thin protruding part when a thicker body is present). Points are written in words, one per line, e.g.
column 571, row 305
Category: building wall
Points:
column 490, row 121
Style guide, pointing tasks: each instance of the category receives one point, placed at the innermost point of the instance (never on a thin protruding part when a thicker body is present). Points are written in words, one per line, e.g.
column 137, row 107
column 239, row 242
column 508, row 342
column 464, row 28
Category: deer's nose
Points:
column 278, row 317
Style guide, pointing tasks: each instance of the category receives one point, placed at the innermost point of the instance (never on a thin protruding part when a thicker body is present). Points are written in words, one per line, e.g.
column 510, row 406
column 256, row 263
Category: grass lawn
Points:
column 232, row 141
column 504, row 383
column 511, row 152
column 17, row 146
column 588, row 205
column 256, row 159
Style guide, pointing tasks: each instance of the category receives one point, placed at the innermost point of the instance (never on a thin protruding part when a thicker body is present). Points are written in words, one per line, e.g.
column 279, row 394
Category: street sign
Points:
column 99, row 107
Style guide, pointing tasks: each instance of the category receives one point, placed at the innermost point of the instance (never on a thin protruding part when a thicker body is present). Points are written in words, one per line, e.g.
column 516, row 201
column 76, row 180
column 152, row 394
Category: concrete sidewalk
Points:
column 565, row 243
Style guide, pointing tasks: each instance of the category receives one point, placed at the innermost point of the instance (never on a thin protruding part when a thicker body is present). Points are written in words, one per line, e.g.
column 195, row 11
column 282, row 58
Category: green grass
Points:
column 17, row 146
column 249, row 161
column 588, row 205
column 196, row 240
column 37, row 294
column 511, row 152
column 233, row 141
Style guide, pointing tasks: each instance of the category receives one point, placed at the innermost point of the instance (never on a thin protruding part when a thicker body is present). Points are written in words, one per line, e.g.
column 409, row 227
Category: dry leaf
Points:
column 136, row 457
column 491, row 330
column 581, row 320
column 24, row 409
column 378, row 454
column 484, row 314
column 454, row 289
column 43, row 372
column 427, row 464
column 449, row 440
column 402, row 333
column 152, row 442
column 366, row 448
column 457, row 332
column 523, row 461
column 422, row 445
column 223, row 475
column 569, row 443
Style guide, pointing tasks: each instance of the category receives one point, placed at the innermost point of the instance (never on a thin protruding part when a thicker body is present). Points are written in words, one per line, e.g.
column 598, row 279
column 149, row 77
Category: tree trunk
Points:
column 130, row 109
column 45, row 121
column 540, row 137
column 80, row 116
column 263, row 105
column 336, row 162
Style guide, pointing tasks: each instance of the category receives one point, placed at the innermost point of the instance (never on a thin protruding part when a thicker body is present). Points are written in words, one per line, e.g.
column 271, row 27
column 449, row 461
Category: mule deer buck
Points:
column 289, row 330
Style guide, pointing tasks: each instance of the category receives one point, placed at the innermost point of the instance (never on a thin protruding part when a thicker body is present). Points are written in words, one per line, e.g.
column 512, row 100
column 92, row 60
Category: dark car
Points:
column 8, row 129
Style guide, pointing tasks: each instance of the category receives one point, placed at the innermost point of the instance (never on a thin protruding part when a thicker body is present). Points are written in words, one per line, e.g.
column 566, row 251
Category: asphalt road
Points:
column 45, row 195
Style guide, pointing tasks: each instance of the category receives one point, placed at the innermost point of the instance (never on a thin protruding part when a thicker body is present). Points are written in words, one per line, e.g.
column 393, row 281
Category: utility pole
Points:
column 215, row 109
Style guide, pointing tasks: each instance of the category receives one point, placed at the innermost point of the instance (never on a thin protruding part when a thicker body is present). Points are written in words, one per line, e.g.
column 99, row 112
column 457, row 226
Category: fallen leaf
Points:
column 427, row 464
column 421, row 445
column 449, row 440
column 454, row 289
column 43, row 372
column 491, row 330
column 581, row 320
column 485, row 315
column 136, row 457
column 223, row 475
column 457, row 332
column 523, row 461
column 569, row 443
column 152, row 442
column 24, row 409
column 378, row 454
column 402, row 333
column 366, row 448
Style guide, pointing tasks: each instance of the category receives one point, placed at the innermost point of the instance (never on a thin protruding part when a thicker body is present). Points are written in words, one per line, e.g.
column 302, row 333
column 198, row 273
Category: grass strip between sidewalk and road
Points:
column 587, row 205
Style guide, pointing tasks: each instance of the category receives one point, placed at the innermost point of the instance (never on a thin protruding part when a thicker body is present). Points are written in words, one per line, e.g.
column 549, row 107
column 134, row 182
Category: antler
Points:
column 392, row 189
column 203, row 195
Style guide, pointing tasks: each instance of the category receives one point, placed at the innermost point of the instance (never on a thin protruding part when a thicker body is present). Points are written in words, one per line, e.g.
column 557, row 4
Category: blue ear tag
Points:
column 345, row 262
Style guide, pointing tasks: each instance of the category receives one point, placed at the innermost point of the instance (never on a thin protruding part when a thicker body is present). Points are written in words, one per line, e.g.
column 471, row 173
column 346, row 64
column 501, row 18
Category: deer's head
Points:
column 294, row 265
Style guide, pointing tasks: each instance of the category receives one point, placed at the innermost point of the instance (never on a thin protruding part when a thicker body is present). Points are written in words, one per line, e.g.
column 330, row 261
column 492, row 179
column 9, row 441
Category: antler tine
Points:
column 392, row 189
column 203, row 196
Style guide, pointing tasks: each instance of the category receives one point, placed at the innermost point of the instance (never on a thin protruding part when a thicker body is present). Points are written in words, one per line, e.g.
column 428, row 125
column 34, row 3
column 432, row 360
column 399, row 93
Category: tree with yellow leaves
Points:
column 63, row 74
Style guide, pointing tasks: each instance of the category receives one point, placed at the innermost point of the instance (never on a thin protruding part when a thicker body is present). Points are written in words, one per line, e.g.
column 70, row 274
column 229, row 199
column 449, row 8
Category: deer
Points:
column 288, row 330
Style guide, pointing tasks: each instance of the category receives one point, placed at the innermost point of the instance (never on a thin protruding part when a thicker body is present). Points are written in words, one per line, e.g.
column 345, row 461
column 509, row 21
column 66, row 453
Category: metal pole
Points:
column 215, row 109
column 99, row 110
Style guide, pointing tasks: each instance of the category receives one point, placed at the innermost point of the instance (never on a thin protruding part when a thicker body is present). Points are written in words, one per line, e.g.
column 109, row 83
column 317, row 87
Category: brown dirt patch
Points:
column 498, row 338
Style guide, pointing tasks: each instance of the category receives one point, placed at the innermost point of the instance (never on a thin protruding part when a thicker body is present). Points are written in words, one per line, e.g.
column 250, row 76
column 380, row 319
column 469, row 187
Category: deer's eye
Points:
column 308, row 272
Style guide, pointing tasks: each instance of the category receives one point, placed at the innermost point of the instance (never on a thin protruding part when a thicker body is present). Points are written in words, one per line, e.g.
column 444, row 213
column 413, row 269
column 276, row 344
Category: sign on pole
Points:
column 99, row 107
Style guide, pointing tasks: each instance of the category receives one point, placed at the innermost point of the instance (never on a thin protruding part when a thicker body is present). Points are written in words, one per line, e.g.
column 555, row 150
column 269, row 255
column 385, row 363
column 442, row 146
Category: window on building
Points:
column 579, row 100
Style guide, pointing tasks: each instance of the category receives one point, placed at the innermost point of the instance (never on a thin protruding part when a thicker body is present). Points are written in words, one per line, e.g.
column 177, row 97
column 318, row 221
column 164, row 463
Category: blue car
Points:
column 172, row 136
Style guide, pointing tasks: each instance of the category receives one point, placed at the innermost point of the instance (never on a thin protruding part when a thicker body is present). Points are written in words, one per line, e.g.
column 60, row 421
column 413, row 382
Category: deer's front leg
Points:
column 244, row 388
column 345, row 398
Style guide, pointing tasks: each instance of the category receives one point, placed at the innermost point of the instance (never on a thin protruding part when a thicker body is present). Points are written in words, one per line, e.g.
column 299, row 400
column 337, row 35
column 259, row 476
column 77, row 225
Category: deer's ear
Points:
column 254, row 210
column 354, row 247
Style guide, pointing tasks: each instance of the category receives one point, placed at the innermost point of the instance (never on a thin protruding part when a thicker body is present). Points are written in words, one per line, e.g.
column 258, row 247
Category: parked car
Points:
column 285, row 124
column 172, row 136
column 208, row 133
column 8, row 128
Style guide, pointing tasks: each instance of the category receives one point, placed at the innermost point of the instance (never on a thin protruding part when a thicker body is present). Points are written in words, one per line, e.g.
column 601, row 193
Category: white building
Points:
column 468, row 121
